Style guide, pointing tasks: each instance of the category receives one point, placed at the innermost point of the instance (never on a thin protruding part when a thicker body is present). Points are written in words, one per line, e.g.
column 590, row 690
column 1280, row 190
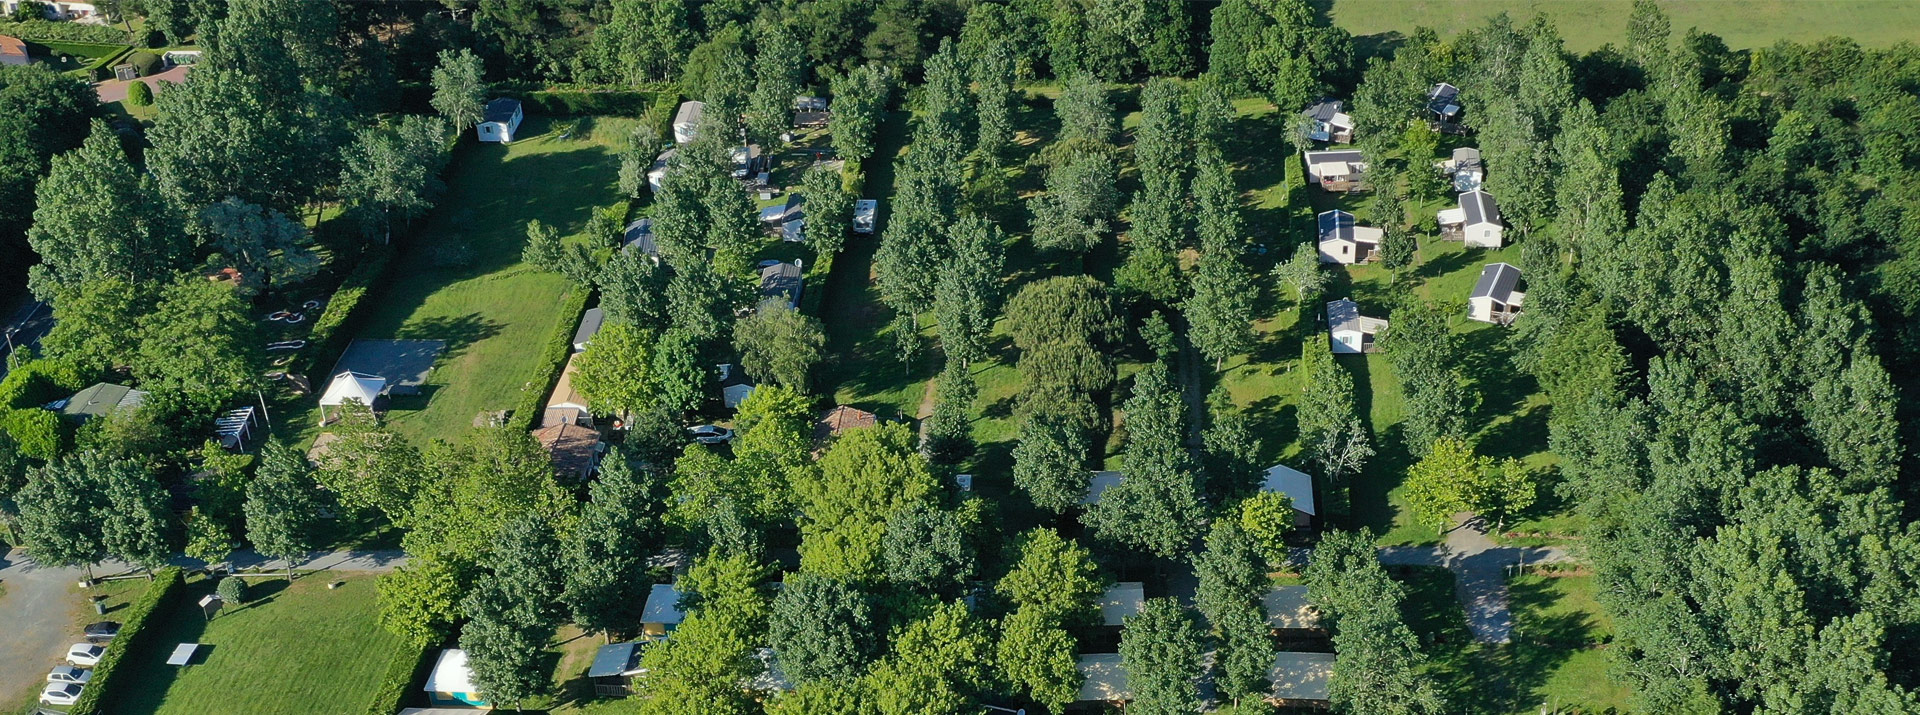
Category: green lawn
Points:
column 1557, row 661
column 305, row 649
column 1588, row 24
column 460, row 279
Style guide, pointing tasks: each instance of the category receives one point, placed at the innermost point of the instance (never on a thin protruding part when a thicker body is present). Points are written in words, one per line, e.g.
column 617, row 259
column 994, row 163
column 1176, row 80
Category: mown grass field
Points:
column 459, row 277
column 1588, row 24
column 299, row 650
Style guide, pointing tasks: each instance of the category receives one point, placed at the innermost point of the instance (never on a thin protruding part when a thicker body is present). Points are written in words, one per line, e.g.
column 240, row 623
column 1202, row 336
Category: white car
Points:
column 69, row 674
column 85, row 654
column 710, row 434
column 60, row 694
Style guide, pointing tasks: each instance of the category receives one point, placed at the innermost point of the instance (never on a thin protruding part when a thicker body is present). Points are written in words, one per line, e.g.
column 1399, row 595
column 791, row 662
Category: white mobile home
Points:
column 1349, row 331
column 500, row 120
column 1298, row 486
column 1340, row 170
column 1476, row 221
column 686, row 121
column 1343, row 240
column 1496, row 297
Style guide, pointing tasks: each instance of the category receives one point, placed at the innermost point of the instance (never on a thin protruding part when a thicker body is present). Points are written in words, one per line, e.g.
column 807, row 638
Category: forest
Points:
column 1096, row 254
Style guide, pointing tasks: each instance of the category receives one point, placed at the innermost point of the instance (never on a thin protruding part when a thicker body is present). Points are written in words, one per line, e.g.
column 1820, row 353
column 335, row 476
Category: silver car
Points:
column 69, row 674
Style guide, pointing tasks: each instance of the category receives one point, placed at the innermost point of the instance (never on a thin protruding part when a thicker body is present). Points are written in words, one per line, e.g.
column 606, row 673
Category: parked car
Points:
column 85, row 654
column 69, row 674
column 102, row 632
column 710, row 434
column 60, row 693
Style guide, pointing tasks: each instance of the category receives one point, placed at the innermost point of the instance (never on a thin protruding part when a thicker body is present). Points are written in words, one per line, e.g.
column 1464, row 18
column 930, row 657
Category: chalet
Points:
column 1329, row 123
column 590, row 323
column 565, row 405
column 500, row 120
column 657, row 174
column 1443, row 102
column 105, row 398
column 1463, row 169
column 1298, row 486
column 839, row 420
column 1097, row 484
column 1496, row 296
column 1476, row 221
column 662, row 612
column 639, row 237
column 13, row 51
column 1350, row 331
column 1344, row 241
column 1121, row 601
column 614, row 666
column 1300, row 679
column 1289, row 609
column 686, row 121
column 735, row 386
column 573, row 449
column 1339, row 170
column 1103, row 679
column 781, row 281
column 864, row 213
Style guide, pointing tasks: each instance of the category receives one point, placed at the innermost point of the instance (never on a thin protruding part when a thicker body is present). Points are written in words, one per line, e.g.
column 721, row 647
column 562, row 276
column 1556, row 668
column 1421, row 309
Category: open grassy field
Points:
column 460, row 279
column 1588, row 24
column 302, row 649
column 1557, row 661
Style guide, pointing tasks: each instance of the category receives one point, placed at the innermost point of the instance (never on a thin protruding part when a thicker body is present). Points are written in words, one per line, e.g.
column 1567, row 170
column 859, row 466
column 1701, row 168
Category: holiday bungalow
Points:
column 1496, row 297
column 1289, row 609
column 639, row 237
column 686, row 121
column 662, row 612
column 1443, row 102
column 657, row 174
column 735, row 385
column 1350, row 331
column 573, row 449
column 590, row 323
column 565, row 405
column 100, row 400
column 1103, row 679
column 451, row 682
column 500, row 120
column 1121, row 601
column 1343, row 240
column 1282, row 479
column 614, row 666
column 792, row 208
column 839, row 420
column 1338, row 170
column 781, row 281
column 1329, row 123
column 1476, row 221
column 1463, row 169
column 1300, row 679
column 13, row 51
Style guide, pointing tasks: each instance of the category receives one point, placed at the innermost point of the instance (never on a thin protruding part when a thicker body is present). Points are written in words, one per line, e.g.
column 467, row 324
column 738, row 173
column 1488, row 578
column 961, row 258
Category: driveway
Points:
column 114, row 90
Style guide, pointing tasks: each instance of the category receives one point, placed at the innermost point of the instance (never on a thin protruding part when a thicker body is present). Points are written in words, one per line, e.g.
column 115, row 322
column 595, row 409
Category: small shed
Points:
column 1097, row 484
column 1103, row 679
column 865, row 211
column 639, row 237
column 1288, row 609
column 1476, row 221
column 782, row 281
column 614, row 666
column 590, row 323
column 565, row 405
column 1496, row 297
column 1344, row 241
column 735, row 385
column 451, row 682
column 1298, row 486
column 1351, row 332
column 352, row 386
column 1300, row 679
column 1338, row 170
column 13, row 51
column 686, row 121
column 662, row 613
column 99, row 400
column 500, row 120
column 1121, row 601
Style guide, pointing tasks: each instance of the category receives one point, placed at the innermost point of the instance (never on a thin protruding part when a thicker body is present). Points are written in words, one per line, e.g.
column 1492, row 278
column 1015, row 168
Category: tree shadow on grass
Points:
column 459, row 331
column 1275, row 422
column 1488, row 361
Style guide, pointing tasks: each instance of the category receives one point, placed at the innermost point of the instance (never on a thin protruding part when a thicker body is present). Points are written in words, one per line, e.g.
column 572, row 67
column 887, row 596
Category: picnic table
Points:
column 182, row 653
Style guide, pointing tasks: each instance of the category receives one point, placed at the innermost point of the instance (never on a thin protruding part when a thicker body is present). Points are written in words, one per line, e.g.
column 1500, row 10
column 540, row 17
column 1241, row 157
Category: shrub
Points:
column 139, row 94
column 38, row 432
column 36, row 382
column 133, row 631
column 146, row 62
column 232, row 589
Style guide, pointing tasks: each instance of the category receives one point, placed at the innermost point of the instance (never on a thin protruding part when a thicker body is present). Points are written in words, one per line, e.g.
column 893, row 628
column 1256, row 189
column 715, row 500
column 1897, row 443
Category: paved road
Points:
column 1479, row 567
column 24, row 328
column 38, row 608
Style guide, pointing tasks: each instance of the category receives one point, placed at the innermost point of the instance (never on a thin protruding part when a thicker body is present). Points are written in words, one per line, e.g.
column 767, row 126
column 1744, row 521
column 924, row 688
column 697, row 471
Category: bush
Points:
column 232, row 589
column 37, row 382
column 406, row 666
column 139, row 94
column 39, row 432
column 159, row 594
column 49, row 31
column 147, row 63
column 553, row 355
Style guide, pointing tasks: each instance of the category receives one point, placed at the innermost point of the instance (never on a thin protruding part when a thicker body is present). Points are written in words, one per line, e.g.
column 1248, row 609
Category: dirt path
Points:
column 1479, row 567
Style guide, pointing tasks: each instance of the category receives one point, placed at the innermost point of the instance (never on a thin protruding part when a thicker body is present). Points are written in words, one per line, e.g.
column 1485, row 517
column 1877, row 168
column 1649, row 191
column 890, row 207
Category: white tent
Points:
column 356, row 386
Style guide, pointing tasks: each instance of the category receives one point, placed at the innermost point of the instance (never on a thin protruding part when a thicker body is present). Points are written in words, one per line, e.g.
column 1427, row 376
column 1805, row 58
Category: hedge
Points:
column 101, row 70
column 553, row 355
column 329, row 329
column 406, row 666
column 167, row 584
column 656, row 103
column 49, row 31
column 147, row 63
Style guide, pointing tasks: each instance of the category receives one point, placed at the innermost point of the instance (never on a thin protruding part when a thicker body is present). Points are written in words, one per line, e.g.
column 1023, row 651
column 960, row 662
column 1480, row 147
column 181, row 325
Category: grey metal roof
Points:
column 1344, row 314
column 1497, row 281
column 1336, row 225
column 689, row 114
column 639, row 237
column 1441, row 97
column 794, row 230
column 1479, row 207
column 782, row 213
column 781, row 279
column 100, row 400
column 589, row 325
column 1322, row 157
column 502, row 109
column 1466, row 153
column 1323, row 110
column 614, row 659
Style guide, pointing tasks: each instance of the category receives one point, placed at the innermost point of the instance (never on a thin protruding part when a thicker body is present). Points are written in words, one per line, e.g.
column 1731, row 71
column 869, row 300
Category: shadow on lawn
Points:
column 459, row 331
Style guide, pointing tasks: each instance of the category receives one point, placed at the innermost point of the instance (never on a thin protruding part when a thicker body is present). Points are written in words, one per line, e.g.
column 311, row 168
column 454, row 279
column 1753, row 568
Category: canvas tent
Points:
column 451, row 682
column 351, row 387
